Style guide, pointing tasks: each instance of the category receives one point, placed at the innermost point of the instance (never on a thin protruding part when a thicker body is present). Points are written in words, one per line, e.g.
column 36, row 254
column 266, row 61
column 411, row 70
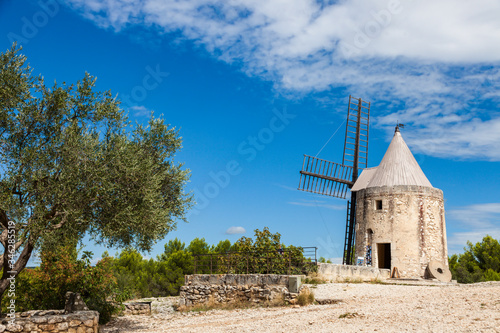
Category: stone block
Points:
column 39, row 320
column 74, row 302
column 54, row 319
column 88, row 323
column 14, row 328
column 74, row 323
column 62, row 326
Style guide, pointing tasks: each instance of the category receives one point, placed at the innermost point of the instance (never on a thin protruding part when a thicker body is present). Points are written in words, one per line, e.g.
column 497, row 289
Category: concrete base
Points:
column 345, row 272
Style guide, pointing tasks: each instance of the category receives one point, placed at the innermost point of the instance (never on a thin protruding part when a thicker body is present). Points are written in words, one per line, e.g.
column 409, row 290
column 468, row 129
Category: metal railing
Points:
column 283, row 261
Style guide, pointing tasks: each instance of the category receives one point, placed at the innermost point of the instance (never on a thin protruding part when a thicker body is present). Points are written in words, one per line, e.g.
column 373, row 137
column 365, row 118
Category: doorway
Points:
column 384, row 255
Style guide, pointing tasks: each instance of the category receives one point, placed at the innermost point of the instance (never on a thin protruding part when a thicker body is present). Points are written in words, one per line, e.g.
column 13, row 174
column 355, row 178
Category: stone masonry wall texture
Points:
column 411, row 219
column 52, row 321
column 228, row 288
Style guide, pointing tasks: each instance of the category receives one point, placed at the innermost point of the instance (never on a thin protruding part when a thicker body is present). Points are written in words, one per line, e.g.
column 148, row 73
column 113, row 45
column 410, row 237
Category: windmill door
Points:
column 384, row 255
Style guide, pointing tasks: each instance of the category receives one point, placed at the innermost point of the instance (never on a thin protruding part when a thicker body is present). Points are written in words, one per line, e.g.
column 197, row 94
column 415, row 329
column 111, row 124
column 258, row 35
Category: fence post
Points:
column 211, row 255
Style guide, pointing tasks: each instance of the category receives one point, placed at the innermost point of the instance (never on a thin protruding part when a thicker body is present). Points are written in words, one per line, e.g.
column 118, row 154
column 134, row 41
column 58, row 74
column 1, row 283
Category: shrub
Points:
column 479, row 262
column 139, row 278
column 305, row 297
column 315, row 279
column 45, row 287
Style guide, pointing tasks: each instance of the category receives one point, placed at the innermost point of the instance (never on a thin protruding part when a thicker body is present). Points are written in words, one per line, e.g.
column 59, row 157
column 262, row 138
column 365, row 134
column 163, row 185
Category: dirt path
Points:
column 364, row 308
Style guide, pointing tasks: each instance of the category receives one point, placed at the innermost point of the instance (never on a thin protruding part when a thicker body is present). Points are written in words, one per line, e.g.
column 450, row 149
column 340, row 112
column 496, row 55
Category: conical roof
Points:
column 398, row 167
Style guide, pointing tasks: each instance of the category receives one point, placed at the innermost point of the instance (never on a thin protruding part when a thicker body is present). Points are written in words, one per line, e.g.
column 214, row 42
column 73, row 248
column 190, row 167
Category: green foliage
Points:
column 171, row 247
column 138, row 278
column 222, row 247
column 265, row 255
column 73, row 164
column 60, row 271
column 199, row 246
column 479, row 262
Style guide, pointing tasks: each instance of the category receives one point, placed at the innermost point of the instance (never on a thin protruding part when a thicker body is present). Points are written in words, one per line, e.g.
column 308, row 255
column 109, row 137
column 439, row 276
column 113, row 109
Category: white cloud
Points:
column 140, row 111
column 484, row 219
column 317, row 204
column 235, row 230
column 428, row 63
column 289, row 188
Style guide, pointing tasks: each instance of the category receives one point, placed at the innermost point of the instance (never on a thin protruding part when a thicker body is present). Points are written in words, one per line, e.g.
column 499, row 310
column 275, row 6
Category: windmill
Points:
column 333, row 179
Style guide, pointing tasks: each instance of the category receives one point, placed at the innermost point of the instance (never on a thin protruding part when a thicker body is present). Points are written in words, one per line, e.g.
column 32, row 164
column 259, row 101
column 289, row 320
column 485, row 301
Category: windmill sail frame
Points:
column 328, row 178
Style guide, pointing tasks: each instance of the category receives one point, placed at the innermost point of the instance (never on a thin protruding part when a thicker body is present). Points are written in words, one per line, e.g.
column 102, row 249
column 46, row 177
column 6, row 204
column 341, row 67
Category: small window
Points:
column 378, row 204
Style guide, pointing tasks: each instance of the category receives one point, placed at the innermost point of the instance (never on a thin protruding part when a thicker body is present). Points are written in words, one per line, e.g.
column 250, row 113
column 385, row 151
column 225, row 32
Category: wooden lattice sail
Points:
column 333, row 179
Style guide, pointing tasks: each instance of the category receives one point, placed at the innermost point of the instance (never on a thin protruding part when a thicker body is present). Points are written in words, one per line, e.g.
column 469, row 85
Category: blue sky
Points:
column 254, row 85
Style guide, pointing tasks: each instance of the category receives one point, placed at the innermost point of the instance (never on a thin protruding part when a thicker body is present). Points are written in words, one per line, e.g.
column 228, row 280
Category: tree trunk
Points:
column 11, row 273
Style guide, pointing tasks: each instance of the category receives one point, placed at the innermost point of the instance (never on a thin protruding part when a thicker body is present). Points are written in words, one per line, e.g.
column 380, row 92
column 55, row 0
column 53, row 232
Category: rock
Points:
column 74, row 323
column 62, row 326
column 74, row 302
column 14, row 328
column 54, row 319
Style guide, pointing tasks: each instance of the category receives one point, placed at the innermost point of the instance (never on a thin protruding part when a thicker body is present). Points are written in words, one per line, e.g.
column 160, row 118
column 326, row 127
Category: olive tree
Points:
column 72, row 164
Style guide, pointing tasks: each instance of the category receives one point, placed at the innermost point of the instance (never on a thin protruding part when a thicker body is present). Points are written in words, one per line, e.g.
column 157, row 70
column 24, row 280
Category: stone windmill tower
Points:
column 400, row 217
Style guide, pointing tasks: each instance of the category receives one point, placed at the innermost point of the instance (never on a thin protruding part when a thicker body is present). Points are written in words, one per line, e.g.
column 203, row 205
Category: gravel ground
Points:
column 362, row 307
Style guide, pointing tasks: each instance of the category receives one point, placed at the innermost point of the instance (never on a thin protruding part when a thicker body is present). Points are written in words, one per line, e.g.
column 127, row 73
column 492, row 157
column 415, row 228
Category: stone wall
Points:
column 411, row 219
column 230, row 288
column 52, row 321
column 137, row 308
column 340, row 273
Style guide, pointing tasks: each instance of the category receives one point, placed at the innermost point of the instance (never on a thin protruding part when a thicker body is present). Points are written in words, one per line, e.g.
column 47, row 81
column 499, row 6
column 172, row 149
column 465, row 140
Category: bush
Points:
column 479, row 262
column 139, row 278
column 45, row 287
column 265, row 255
column 305, row 297
column 314, row 278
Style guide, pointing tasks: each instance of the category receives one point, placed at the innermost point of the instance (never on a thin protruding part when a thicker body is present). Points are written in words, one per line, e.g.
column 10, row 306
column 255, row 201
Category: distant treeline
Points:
column 479, row 262
column 163, row 276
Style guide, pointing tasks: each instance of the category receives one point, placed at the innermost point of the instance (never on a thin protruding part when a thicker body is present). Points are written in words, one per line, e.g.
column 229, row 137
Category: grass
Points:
column 349, row 315
column 315, row 279
column 305, row 297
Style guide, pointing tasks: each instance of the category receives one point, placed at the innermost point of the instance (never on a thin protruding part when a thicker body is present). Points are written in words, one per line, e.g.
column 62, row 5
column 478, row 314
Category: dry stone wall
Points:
column 137, row 308
column 230, row 288
column 52, row 321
